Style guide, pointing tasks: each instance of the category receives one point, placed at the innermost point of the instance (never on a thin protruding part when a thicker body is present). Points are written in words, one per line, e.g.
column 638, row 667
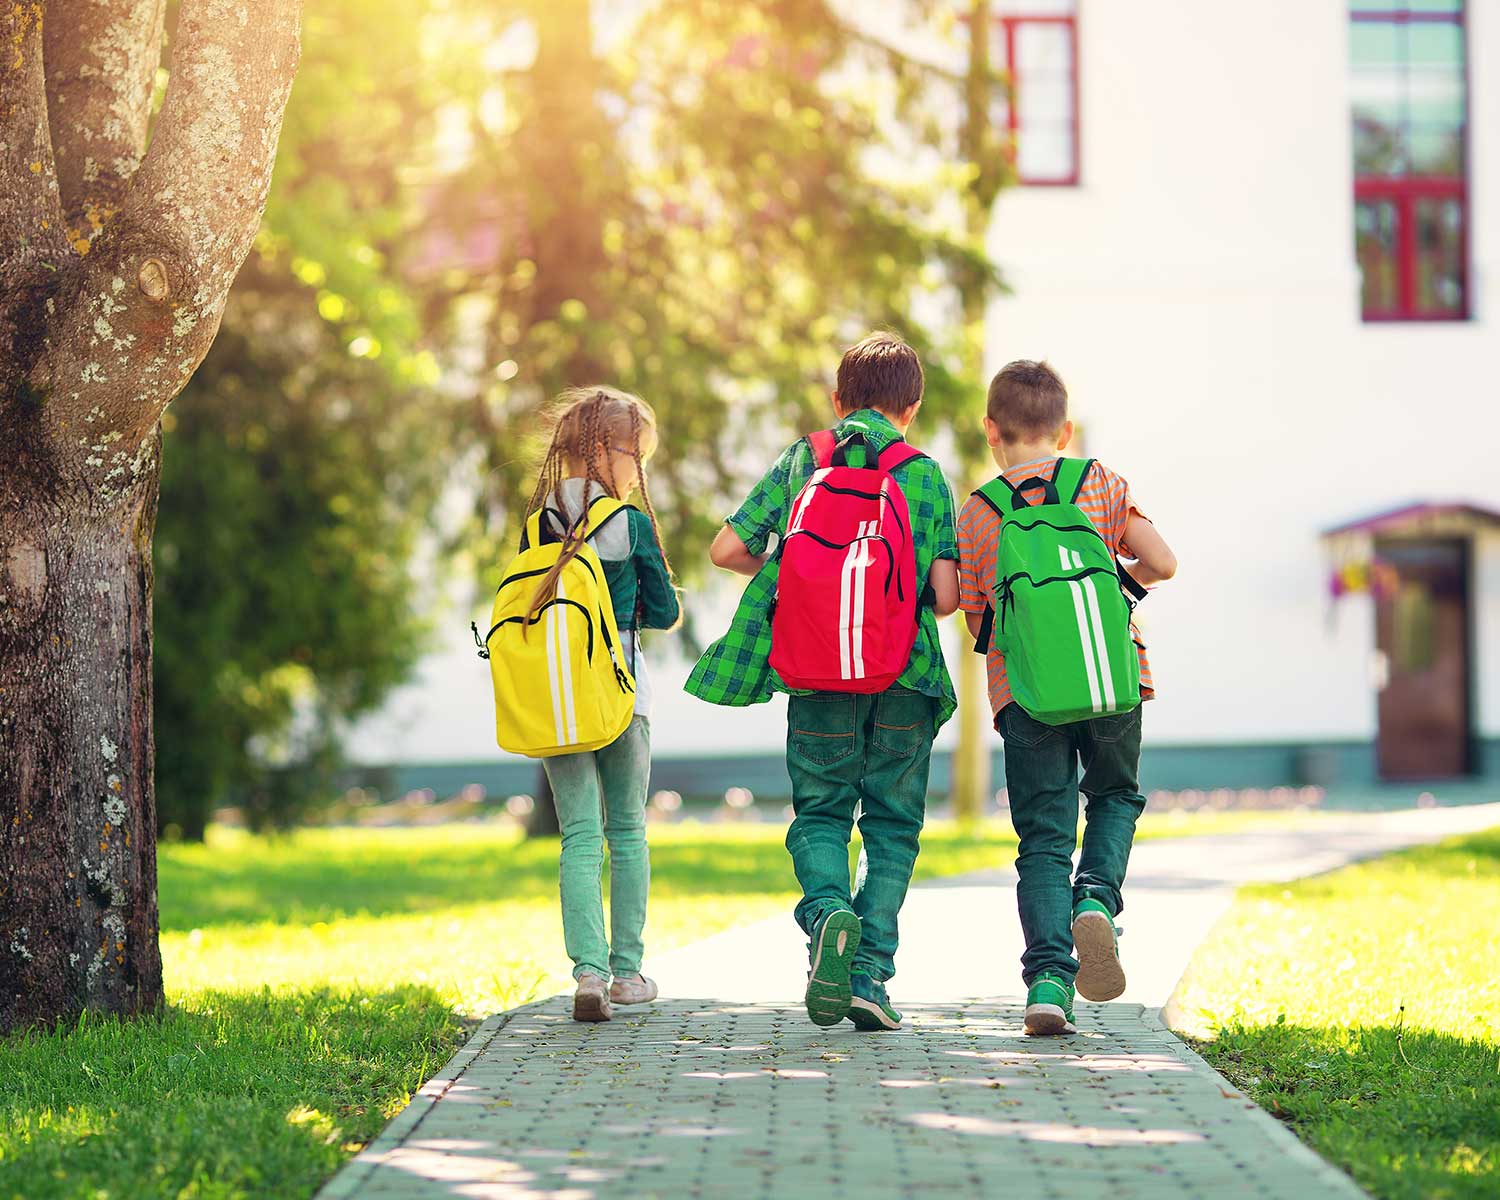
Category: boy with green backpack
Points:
column 1043, row 590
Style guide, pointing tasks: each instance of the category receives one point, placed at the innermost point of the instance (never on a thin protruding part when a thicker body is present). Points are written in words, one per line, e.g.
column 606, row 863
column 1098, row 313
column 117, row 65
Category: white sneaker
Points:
column 632, row 989
column 591, row 1000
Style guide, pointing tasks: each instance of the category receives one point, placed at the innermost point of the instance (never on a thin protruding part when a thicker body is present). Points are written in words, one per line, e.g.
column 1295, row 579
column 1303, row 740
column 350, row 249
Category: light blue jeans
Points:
column 601, row 797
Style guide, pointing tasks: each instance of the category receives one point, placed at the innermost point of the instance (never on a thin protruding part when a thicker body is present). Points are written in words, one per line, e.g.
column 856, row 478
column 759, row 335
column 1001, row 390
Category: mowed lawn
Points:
column 315, row 980
column 1363, row 1008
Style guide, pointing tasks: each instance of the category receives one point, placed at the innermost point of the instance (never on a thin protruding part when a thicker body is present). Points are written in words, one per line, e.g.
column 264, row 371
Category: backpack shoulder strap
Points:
column 997, row 494
column 897, row 454
column 1069, row 476
column 823, row 443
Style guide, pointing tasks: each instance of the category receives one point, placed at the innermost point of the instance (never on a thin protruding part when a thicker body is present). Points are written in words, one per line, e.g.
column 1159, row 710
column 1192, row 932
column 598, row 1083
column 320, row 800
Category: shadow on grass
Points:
column 294, row 881
column 1411, row 1116
column 333, row 874
column 235, row 1094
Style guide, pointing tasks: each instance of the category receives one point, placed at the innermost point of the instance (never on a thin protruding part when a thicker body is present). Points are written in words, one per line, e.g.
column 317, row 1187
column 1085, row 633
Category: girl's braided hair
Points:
column 589, row 424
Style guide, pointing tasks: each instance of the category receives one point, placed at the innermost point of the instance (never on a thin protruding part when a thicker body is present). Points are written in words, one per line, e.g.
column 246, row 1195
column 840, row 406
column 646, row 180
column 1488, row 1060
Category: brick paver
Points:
column 700, row 1099
column 745, row 1099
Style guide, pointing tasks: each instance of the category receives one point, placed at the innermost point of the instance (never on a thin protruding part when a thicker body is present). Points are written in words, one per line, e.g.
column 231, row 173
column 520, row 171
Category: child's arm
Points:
column 973, row 620
column 660, row 606
column 942, row 577
column 1154, row 560
column 729, row 551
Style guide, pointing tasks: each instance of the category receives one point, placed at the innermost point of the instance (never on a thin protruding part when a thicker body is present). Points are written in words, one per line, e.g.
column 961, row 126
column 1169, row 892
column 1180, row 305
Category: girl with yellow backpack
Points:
column 571, row 687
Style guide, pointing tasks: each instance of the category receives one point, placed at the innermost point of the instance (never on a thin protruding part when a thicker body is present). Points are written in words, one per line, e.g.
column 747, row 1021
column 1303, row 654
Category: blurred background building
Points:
column 1259, row 242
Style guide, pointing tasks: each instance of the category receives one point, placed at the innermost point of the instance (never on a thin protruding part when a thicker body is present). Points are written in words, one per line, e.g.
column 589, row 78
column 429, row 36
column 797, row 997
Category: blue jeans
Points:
column 601, row 797
column 1041, row 773
column 874, row 751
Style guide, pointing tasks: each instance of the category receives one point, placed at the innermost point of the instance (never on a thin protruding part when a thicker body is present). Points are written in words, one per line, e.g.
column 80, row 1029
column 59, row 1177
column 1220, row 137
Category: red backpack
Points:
column 846, row 595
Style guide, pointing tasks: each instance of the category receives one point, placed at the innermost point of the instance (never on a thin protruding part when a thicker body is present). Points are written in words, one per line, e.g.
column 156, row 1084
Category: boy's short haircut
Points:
column 881, row 372
column 1027, row 400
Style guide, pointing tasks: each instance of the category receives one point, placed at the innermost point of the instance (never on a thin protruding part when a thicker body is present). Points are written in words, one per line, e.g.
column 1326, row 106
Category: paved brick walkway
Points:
column 703, row 1099
column 693, row 1099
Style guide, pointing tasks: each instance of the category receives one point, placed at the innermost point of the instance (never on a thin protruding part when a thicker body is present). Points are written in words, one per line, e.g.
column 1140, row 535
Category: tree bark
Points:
column 78, row 921
column 101, row 324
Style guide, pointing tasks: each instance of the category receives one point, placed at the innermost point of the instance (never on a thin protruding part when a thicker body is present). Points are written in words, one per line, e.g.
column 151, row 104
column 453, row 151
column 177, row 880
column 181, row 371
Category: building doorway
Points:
column 1423, row 633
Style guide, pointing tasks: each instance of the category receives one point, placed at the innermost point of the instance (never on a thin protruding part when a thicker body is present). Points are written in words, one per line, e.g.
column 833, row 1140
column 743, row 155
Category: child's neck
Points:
column 1024, row 452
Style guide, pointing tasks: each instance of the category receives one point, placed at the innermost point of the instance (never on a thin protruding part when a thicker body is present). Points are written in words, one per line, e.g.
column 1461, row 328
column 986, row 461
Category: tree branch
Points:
column 30, row 214
column 151, row 293
column 101, row 66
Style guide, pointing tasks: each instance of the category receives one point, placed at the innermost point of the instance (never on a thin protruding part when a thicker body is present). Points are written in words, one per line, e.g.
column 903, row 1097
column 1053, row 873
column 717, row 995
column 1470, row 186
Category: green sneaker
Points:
column 1100, row 975
column 830, row 953
column 871, row 1009
column 1049, row 1006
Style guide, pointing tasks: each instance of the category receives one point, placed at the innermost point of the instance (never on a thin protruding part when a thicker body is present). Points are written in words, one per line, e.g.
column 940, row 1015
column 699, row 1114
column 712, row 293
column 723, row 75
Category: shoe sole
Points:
column 1100, row 975
column 1044, row 1020
column 828, row 993
column 592, row 1008
column 870, row 1017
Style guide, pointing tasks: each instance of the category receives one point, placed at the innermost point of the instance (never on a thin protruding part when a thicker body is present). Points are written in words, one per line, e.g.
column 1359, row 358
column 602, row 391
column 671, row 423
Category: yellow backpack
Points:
column 562, row 685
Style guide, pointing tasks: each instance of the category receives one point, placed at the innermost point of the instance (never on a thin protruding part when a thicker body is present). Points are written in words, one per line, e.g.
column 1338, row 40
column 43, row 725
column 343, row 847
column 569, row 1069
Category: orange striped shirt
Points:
column 1105, row 500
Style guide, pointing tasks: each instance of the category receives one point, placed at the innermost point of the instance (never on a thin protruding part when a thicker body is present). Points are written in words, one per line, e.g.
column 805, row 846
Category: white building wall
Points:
column 1199, row 294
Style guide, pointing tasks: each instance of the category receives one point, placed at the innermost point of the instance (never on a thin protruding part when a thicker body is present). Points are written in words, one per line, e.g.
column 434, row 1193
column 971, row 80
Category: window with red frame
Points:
column 1037, row 48
column 1411, row 193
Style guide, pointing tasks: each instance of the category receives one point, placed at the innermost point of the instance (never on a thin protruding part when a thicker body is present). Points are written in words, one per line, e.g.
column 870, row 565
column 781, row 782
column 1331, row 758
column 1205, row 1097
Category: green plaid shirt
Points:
column 736, row 669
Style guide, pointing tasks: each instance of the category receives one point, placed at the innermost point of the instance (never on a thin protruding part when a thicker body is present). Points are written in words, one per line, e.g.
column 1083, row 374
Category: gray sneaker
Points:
column 632, row 989
column 591, row 1000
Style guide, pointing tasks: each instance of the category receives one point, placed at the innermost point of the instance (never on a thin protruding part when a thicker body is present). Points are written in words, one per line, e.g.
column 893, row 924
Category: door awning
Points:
column 1422, row 519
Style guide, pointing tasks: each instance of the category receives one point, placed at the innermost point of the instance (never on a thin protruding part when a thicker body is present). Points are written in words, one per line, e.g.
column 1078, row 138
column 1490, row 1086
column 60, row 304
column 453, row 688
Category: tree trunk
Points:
column 542, row 821
column 114, row 271
column 971, row 757
column 77, row 825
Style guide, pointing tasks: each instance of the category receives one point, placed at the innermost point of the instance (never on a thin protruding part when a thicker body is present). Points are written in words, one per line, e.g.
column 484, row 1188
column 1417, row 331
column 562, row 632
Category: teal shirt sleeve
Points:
column 655, row 595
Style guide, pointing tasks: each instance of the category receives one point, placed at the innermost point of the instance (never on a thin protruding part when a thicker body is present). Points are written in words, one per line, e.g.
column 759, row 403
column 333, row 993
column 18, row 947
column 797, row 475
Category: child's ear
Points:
column 910, row 414
column 838, row 408
column 991, row 433
column 1065, row 437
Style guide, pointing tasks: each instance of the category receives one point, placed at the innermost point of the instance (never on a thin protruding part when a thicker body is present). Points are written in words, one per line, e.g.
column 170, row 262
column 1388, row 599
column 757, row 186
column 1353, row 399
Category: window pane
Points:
column 1375, row 243
column 1045, row 101
column 1440, row 256
column 1435, row 44
column 1375, row 44
column 1043, row 50
column 1437, row 6
column 1383, row 6
column 1044, row 154
column 1437, row 151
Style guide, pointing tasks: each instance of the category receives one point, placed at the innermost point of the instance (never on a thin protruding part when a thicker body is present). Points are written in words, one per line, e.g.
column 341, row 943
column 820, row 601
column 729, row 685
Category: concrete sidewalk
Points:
column 738, row 1095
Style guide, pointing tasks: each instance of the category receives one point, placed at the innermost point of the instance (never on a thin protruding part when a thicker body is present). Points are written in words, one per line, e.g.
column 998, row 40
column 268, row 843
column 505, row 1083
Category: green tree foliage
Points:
column 292, row 511
column 478, row 203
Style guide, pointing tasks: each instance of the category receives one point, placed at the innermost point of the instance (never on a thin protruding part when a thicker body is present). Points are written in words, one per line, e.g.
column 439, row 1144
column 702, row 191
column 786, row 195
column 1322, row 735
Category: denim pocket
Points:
column 1116, row 728
column 1019, row 726
column 821, row 727
column 903, row 722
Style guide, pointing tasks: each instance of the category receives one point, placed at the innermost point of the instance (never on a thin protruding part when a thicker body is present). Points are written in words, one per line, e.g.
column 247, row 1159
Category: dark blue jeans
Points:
column 843, row 751
column 1041, row 773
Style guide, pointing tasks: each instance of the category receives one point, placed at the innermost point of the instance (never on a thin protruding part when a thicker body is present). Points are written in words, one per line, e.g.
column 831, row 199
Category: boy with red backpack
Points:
column 842, row 613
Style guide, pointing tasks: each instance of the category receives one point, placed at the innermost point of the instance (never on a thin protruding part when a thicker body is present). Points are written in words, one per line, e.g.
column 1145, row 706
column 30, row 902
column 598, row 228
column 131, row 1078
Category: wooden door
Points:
column 1422, row 633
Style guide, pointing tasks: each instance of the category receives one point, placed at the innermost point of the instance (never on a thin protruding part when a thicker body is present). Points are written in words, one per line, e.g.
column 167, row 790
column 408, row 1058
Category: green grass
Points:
column 1301, row 991
column 314, row 981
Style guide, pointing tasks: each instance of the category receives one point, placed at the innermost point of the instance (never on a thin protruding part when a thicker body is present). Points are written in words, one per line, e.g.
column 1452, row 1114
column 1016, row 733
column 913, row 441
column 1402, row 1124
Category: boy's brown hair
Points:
column 1027, row 401
column 880, row 372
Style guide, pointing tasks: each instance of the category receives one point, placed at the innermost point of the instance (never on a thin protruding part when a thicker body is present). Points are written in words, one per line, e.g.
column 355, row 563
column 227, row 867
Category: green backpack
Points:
column 1063, row 622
